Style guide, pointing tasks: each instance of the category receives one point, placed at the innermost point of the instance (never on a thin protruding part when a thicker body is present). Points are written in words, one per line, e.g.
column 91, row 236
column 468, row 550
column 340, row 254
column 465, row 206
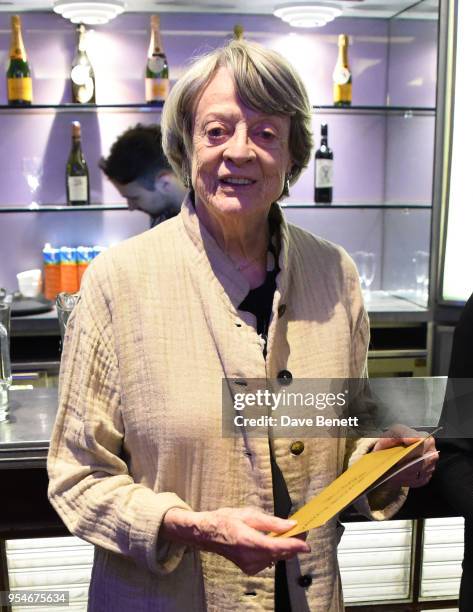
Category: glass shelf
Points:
column 68, row 108
column 61, row 208
column 406, row 111
column 355, row 206
column 301, row 206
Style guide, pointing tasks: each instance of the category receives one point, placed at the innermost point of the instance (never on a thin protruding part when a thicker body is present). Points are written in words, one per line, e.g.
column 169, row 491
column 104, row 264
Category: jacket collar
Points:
column 214, row 263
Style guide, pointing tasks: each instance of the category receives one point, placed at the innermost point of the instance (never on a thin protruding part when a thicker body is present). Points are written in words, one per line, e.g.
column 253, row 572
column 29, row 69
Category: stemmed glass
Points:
column 32, row 171
column 366, row 264
column 421, row 267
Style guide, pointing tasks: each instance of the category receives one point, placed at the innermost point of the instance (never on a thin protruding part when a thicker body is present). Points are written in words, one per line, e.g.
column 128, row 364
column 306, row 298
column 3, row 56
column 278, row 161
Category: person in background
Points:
column 139, row 170
column 450, row 491
column 455, row 474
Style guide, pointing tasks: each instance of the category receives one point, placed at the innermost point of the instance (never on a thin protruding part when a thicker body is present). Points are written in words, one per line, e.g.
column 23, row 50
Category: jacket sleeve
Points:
column 89, row 483
column 383, row 502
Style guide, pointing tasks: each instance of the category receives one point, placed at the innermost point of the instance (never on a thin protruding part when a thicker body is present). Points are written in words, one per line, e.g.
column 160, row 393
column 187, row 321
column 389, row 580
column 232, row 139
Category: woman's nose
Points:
column 239, row 149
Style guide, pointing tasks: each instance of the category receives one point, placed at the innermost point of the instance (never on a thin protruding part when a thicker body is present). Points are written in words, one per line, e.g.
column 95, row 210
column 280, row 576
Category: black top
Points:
column 461, row 366
column 259, row 301
column 168, row 213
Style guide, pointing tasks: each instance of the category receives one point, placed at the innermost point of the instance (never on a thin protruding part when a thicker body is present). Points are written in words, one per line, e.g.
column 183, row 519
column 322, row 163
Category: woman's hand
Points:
column 420, row 473
column 236, row 534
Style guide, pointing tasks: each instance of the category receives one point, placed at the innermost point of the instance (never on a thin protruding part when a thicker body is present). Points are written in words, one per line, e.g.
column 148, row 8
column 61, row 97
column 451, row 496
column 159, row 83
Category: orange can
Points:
column 68, row 269
column 52, row 277
column 84, row 257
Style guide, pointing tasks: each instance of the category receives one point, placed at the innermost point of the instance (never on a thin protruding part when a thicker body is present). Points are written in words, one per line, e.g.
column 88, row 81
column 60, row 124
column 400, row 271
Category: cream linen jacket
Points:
column 138, row 429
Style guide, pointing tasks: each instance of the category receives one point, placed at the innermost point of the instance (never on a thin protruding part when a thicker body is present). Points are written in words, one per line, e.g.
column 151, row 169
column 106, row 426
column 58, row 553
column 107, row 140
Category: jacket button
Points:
column 281, row 310
column 297, row 447
column 305, row 581
column 284, row 377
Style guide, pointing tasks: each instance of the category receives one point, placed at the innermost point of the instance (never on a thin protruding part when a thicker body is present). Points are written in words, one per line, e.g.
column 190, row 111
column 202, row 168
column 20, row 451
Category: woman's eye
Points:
column 215, row 132
column 266, row 136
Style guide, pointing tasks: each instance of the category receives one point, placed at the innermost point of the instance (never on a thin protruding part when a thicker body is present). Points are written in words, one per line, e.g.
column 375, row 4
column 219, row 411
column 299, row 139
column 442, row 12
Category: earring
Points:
column 287, row 178
column 187, row 181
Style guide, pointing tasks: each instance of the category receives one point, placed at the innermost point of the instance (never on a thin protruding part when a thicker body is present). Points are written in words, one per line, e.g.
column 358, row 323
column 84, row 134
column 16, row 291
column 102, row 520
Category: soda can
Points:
column 96, row 249
column 52, row 277
column 68, row 267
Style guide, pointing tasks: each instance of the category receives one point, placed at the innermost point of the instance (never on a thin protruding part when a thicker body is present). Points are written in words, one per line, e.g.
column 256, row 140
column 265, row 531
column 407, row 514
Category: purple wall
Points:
column 412, row 67
column 370, row 150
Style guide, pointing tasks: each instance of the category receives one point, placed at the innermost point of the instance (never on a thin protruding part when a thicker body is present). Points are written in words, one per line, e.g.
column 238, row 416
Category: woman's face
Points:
column 240, row 156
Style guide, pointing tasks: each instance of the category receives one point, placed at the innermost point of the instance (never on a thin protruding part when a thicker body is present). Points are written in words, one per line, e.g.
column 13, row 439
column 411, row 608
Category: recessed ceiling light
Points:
column 300, row 15
column 91, row 12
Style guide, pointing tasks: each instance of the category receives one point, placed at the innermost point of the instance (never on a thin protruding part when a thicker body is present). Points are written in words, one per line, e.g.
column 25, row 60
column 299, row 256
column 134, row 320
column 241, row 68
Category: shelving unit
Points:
column 382, row 199
column 353, row 109
column 43, row 208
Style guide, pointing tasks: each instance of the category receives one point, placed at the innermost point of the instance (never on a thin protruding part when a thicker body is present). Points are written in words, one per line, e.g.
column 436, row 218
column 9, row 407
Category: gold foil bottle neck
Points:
column 238, row 32
column 75, row 129
column 154, row 20
column 16, row 22
column 343, row 40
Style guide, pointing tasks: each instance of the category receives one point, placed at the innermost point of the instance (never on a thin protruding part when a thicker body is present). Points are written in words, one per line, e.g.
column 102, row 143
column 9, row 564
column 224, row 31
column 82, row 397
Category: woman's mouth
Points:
column 232, row 180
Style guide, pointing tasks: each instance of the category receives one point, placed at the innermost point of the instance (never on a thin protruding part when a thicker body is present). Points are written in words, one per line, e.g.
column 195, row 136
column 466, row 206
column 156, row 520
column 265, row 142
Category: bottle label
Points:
column 341, row 76
column 156, row 64
column 157, row 90
column 20, row 88
column 342, row 93
column 85, row 92
column 77, row 188
column 323, row 173
column 80, row 74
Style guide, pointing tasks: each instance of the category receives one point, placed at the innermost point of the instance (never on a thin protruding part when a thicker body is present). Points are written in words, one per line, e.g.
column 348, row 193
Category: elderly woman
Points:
column 138, row 465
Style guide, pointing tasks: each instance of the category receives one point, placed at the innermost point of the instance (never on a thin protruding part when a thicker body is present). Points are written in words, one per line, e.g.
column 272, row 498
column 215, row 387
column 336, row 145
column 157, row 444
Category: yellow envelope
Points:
column 346, row 488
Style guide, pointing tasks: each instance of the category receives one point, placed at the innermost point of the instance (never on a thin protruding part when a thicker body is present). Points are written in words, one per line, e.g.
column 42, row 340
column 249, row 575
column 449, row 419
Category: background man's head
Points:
column 139, row 170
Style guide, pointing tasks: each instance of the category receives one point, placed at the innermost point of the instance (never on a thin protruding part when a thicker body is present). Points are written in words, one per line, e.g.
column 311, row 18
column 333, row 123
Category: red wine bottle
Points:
column 323, row 169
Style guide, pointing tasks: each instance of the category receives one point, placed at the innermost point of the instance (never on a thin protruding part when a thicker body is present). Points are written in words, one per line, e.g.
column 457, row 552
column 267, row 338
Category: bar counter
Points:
column 27, row 513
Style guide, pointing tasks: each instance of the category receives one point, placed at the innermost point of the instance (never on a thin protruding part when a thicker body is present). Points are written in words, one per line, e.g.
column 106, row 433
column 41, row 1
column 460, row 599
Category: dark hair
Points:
column 136, row 155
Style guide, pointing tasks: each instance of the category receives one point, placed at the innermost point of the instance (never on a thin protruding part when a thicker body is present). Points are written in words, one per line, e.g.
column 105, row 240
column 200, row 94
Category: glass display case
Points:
column 383, row 143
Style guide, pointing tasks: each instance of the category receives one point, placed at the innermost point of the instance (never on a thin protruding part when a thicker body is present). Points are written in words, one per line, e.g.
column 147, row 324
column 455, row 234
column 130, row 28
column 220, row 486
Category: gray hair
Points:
column 265, row 81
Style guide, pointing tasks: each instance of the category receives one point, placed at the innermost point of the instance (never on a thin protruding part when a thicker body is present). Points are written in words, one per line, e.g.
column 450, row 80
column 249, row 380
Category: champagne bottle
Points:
column 77, row 172
column 342, row 75
column 19, row 83
column 323, row 169
column 157, row 70
column 82, row 73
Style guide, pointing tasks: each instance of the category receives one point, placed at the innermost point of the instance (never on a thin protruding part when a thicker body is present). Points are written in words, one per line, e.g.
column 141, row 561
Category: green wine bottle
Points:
column 19, row 83
column 157, row 69
column 77, row 172
column 82, row 73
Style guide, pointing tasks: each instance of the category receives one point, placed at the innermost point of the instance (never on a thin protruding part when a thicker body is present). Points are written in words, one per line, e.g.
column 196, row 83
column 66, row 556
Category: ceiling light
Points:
column 91, row 12
column 307, row 15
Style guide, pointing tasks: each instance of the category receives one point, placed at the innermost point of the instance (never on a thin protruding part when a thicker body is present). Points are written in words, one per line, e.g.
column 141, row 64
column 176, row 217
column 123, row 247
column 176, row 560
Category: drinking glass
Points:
column 366, row 265
column 5, row 363
column 32, row 171
column 421, row 267
column 65, row 303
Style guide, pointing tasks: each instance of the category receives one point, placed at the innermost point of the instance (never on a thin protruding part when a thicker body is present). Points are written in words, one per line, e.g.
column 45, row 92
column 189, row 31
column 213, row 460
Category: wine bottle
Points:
column 82, row 73
column 342, row 80
column 19, row 83
column 323, row 169
column 77, row 172
column 157, row 70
